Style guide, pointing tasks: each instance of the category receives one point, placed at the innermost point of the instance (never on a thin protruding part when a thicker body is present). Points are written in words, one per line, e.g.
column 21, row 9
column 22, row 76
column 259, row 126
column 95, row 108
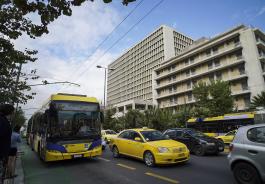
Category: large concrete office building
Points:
column 237, row 56
column 132, row 77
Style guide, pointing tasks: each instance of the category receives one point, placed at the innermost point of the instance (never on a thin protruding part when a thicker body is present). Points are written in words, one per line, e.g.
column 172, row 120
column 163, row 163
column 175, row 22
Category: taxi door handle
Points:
column 253, row 152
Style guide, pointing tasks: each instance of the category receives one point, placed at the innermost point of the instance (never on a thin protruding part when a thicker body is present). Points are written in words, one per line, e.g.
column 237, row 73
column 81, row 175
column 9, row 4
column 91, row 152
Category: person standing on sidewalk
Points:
column 5, row 136
column 15, row 138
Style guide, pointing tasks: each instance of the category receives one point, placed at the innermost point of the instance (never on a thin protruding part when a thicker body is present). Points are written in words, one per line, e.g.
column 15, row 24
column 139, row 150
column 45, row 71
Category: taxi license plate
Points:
column 181, row 155
column 78, row 156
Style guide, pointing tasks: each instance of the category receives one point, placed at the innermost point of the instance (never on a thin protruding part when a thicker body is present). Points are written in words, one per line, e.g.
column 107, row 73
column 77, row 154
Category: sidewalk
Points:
column 19, row 170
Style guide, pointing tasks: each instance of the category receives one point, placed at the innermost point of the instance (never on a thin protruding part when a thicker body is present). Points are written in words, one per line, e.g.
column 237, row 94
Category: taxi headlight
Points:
column 163, row 149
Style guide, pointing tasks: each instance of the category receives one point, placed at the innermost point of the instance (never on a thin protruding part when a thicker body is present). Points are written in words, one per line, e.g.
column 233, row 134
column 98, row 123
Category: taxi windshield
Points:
column 153, row 135
column 110, row 132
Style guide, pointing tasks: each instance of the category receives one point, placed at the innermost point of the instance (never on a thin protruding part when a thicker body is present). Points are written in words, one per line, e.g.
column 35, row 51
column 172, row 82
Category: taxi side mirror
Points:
column 138, row 139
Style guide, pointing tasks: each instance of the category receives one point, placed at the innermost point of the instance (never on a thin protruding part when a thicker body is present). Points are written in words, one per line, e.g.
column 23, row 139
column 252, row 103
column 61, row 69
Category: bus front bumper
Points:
column 56, row 155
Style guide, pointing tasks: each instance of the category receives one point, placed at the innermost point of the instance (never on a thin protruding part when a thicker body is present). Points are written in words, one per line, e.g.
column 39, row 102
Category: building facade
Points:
column 131, row 78
column 237, row 56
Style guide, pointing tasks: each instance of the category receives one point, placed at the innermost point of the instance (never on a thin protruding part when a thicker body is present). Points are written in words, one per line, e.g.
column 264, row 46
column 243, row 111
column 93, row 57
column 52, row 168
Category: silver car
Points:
column 247, row 154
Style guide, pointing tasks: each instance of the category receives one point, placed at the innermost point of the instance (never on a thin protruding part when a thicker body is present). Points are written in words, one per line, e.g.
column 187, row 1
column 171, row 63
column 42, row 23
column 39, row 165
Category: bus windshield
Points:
column 76, row 120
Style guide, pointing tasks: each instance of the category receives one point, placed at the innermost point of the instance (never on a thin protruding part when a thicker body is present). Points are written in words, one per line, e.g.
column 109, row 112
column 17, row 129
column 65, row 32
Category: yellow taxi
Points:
column 228, row 137
column 149, row 145
column 107, row 135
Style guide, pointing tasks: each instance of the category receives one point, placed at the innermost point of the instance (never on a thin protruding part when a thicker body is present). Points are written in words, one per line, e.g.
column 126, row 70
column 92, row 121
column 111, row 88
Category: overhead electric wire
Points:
column 108, row 36
column 139, row 21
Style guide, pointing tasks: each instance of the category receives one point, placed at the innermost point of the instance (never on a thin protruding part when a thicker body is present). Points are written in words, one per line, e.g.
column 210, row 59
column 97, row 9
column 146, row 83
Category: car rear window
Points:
column 256, row 134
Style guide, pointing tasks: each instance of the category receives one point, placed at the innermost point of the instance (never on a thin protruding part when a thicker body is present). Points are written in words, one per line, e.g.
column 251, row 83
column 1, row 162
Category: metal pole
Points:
column 185, row 112
column 105, row 88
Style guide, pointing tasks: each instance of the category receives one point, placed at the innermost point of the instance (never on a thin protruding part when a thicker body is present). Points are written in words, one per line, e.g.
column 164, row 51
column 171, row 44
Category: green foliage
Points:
column 222, row 102
column 18, row 119
column 213, row 99
column 258, row 100
column 203, row 103
column 10, row 90
column 182, row 116
column 159, row 119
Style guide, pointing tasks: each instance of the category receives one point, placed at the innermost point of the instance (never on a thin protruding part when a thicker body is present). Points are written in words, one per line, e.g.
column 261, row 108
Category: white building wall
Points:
column 168, row 42
column 252, row 65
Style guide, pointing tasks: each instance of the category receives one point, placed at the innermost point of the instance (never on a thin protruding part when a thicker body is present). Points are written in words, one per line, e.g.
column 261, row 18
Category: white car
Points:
column 247, row 154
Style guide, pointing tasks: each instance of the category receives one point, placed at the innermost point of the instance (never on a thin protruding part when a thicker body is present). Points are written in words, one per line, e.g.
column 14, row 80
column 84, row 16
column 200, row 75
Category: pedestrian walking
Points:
column 5, row 136
column 11, row 164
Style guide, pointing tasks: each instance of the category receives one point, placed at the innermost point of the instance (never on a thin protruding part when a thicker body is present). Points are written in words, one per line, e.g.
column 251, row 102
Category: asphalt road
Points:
column 105, row 169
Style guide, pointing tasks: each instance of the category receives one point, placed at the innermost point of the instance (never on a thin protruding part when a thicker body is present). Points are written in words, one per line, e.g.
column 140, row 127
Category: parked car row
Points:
column 246, row 157
column 172, row 146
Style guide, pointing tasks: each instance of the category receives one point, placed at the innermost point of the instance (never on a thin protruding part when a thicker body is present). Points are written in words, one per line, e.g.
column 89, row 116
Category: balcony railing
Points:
column 189, row 64
column 182, row 79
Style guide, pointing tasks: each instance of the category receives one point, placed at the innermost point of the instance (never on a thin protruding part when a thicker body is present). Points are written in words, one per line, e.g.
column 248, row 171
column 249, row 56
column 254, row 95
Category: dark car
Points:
column 197, row 142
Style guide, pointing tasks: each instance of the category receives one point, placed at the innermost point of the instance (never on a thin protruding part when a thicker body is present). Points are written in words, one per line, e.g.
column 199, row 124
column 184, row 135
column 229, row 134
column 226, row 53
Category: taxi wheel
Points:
column 149, row 159
column 199, row 150
column 115, row 152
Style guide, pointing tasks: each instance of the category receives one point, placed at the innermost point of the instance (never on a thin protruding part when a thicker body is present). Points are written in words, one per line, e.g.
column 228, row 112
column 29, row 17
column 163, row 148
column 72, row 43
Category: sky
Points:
column 69, row 52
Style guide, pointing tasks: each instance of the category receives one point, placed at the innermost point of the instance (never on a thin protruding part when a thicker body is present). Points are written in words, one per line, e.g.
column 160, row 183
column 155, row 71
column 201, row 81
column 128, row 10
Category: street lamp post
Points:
column 105, row 79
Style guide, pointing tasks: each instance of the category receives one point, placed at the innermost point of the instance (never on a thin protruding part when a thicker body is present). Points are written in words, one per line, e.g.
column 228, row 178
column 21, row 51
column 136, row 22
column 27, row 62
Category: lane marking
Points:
column 126, row 166
column 104, row 159
column 162, row 177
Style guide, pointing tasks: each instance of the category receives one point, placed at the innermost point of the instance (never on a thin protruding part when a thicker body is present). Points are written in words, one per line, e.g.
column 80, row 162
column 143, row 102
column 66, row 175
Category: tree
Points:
column 222, row 101
column 19, row 118
column 12, row 89
column 159, row 119
column 108, row 120
column 258, row 100
column 134, row 119
column 212, row 100
column 182, row 116
column 14, row 21
column 202, row 105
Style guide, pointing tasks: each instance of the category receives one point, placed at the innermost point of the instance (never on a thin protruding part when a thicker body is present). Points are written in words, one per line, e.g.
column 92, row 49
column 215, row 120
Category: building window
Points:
column 186, row 62
column 175, row 88
column 189, row 97
column 217, row 63
column 219, row 76
column 208, row 53
column 191, row 60
column 210, row 66
column 188, row 85
column 244, row 86
column 239, row 56
column 236, row 42
column 215, row 50
column 188, row 73
column 193, row 71
column 242, row 70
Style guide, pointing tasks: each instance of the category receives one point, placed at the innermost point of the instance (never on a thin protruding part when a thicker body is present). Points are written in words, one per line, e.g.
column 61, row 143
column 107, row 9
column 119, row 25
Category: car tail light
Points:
column 231, row 146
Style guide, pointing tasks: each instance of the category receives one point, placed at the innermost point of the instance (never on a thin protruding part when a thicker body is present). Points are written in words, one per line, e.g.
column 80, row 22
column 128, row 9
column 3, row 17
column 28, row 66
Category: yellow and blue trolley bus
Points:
column 67, row 126
column 214, row 126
